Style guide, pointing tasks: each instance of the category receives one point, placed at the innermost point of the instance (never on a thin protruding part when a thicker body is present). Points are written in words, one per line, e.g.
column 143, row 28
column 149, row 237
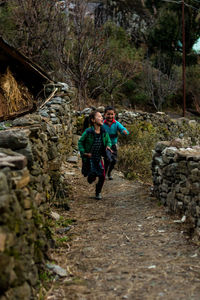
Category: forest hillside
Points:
column 128, row 53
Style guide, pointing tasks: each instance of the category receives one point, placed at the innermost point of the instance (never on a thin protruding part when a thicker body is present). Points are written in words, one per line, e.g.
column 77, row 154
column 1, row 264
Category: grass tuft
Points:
column 135, row 152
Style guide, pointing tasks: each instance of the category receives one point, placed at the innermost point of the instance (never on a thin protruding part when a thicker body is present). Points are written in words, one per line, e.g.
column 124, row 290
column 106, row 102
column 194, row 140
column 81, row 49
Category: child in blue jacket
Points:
column 112, row 127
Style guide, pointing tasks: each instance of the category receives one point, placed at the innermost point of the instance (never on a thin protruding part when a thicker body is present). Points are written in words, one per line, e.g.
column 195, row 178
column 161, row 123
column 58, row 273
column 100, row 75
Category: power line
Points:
column 172, row 1
column 198, row 1
column 195, row 8
column 180, row 2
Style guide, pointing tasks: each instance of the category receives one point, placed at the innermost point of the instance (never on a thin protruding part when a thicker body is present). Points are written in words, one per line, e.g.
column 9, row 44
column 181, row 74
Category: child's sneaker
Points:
column 98, row 196
column 110, row 177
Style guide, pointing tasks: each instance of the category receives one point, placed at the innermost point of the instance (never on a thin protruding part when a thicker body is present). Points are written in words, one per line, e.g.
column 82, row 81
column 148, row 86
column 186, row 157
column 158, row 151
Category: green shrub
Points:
column 135, row 152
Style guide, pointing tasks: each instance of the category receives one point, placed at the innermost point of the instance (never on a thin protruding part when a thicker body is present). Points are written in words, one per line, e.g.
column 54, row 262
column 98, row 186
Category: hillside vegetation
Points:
column 125, row 52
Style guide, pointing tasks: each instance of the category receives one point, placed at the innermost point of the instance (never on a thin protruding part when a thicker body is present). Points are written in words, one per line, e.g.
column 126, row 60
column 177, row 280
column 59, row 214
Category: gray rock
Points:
column 64, row 86
column 57, row 270
column 5, row 125
column 5, row 201
column 170, row 151
column 48, row 104
column 55, row 120
column 185, row 190
column 54, row 138
column 57, row 100
column 51, row 130
column 170, row 170
column 17, row 162
column 63, row 230
column 198, row 222
column 52, row 151
column 28, row 120
column 180, row 204
column 160, row 146
column 86, row 110
column 192, row 123
column 182, row 167
column 55, row 216
column 52, row 115
column 14, row 139
column 3, row 183
column 167, row 159
column 44, row 114
column 180, row 196
column 73, row 159
column 192, row 165
column 101, row 109
column 159, row 161
column 27, row 152
column 164, row 188
column 195, row 188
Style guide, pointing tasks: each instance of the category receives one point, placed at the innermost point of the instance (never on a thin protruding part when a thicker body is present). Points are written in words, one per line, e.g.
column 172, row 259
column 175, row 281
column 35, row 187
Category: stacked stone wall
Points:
column 176, row 178
column 32, row 149
column 167, row 128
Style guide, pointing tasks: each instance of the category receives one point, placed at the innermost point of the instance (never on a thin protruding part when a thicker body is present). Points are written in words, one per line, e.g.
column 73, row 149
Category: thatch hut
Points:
column 21, row 82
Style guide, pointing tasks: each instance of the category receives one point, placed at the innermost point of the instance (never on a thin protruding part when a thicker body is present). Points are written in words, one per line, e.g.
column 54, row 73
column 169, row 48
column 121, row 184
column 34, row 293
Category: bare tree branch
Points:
column 159, row 85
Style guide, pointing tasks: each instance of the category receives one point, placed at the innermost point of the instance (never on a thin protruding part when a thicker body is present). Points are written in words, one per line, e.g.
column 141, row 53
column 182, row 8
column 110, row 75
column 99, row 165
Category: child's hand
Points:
column 125, row 132
column 88, row 154
column 109, row 149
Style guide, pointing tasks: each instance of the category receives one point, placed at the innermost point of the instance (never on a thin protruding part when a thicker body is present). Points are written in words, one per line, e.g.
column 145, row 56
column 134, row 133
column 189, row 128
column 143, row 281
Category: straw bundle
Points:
column 16, row 95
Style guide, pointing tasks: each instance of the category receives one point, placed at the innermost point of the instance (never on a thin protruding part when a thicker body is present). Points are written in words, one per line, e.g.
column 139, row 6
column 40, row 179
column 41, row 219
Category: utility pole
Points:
column 183, row 66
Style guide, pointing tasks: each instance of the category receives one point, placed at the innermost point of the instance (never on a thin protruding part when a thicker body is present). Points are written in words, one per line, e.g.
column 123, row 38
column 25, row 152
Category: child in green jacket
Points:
column 92, row 146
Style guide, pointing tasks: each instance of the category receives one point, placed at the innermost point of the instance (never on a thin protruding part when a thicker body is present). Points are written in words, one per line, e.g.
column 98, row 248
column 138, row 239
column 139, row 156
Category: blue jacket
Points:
column 113, row 130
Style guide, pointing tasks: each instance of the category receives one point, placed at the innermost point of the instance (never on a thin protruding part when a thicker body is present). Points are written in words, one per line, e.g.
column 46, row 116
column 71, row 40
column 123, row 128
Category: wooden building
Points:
column 21, row 82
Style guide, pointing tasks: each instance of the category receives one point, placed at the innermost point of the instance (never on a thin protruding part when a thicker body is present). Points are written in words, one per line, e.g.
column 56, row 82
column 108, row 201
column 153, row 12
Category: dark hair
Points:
column 88, row 120
column 109, row 108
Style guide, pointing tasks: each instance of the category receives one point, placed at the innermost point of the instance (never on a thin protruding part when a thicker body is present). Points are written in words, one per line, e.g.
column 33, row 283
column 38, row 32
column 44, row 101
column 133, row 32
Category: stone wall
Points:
column 32, row 149
column 167, row 127
column 176, row 174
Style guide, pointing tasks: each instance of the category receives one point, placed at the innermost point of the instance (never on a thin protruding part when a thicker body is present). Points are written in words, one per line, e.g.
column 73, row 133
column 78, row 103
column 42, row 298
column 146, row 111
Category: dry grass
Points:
column 16, row 96
column 135, row 151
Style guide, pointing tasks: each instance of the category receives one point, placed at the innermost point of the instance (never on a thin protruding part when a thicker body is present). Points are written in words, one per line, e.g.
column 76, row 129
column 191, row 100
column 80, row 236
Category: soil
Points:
column 125, row 246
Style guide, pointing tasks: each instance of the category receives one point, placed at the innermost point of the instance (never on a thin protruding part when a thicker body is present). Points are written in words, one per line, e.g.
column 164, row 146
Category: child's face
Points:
column 98, row 119
column 109, row 115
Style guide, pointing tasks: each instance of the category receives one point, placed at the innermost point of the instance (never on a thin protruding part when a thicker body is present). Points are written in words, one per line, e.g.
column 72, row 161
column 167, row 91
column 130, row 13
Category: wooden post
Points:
column 183, row 66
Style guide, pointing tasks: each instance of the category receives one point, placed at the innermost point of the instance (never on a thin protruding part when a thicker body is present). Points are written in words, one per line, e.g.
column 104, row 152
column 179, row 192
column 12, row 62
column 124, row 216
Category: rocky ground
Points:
column 125, row 246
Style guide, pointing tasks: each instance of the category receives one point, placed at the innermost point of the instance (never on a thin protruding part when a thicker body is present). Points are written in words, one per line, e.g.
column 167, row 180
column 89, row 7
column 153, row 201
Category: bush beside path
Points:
column 125, row 246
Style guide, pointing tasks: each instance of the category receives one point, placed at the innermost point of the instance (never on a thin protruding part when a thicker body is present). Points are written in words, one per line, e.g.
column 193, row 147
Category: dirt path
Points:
column 125, row 246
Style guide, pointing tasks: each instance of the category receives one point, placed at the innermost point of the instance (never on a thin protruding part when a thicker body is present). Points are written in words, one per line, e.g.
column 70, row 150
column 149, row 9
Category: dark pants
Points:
column 91, row 178
column 109, row 166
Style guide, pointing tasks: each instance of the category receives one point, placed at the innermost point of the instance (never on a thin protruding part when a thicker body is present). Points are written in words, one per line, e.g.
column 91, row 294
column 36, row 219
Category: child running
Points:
column 112, row 127
column 92, row 146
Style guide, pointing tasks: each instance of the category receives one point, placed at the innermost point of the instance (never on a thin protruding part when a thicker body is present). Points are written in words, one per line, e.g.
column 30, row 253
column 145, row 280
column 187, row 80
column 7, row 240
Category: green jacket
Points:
column 87, row 139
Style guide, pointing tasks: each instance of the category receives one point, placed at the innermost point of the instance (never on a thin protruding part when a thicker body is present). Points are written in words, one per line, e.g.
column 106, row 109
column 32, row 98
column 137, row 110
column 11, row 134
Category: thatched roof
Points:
column 22, row 67
column 21, row 81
